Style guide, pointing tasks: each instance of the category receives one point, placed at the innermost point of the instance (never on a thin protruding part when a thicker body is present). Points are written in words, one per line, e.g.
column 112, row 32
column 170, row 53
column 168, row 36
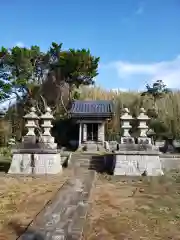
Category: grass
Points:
column 5, row 158
column 132, row 208
column 21, row 198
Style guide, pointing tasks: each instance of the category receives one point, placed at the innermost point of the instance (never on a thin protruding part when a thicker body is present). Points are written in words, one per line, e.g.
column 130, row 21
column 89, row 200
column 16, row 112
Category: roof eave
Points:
column 90, row 115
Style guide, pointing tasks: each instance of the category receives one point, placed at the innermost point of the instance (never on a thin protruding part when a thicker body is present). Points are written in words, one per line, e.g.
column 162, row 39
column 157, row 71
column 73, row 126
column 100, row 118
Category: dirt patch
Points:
column 21, row 198
column 134, row 208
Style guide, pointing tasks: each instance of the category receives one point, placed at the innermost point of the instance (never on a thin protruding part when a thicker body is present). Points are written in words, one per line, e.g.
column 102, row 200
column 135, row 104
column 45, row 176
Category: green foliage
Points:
column 74, row 67
column 24, row 71
column 76, row 95
column 156, row 91
column 20, row 71
column 159, row 128
column 5, row 153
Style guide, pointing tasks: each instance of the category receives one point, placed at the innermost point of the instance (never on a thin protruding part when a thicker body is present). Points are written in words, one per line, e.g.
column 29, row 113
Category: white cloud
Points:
column 119, row 90
column 168, row 71
column 20, row 44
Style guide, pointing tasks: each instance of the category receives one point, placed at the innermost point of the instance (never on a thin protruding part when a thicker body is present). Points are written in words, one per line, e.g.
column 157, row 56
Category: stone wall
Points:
column 106, row 163
column 170, row 161
column 136, row 163
column 127, row 164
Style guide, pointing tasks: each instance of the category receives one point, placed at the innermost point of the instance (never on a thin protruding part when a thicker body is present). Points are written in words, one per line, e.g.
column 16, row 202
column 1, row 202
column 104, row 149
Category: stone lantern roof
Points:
column 47, row 115
column 142, row 115
column 126, row 115
column 32, row 115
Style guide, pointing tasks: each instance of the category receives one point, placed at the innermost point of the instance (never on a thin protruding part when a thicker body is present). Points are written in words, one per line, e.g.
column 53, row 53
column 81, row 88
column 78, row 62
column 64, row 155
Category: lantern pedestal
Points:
column 144, row 140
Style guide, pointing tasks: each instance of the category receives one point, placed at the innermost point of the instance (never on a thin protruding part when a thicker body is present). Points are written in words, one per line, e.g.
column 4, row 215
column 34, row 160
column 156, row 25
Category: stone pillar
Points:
column 101, row 132
column 125, row 119
column 46, row 136
column 80, row 133
column 84, row 132
column 143, row 118
column 31, row 125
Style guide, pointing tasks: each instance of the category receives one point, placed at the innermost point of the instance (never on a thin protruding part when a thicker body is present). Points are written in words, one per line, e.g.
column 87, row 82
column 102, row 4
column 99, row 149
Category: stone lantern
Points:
column 151, row 134
column 125, row 119
column 47, row 126
column 31, row 125
column 143, row 118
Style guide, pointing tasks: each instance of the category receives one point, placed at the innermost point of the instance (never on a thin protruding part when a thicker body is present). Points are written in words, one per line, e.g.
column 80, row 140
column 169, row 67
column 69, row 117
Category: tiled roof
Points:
column 101, row 108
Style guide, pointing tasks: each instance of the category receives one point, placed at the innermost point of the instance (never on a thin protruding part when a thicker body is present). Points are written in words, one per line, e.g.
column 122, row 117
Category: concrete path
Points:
column 64, row 218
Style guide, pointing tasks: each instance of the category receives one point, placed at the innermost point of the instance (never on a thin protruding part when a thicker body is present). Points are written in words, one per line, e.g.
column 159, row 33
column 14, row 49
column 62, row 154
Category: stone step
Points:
column 85, row 160
column 88, row 154
column 77, row 158
column 81, row 160
column 81, row 157
column 84, row 155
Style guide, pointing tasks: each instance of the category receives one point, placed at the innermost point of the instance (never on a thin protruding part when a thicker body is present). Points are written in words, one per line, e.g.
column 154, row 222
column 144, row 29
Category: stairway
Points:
column 91, row 161
column 80, row 159
column 92, row 147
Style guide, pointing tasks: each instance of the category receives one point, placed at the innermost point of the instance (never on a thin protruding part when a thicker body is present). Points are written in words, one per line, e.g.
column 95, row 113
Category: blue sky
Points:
column 138, row 41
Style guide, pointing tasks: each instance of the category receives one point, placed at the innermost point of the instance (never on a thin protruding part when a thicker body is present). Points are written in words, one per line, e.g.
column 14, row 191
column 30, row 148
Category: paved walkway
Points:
column 64, row 218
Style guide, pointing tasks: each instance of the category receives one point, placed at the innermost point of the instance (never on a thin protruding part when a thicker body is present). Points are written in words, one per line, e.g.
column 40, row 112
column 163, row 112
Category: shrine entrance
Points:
column 91, row 117
column 92, row 132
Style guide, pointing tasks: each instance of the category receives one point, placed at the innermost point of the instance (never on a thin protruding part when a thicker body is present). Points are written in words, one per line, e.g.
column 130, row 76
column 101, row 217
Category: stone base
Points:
column 89, row 146
column 49, row 141
column 135, row 164
column 93, row 147
column 127, row 140
column 144, row 140
column 24, row 163
column 29, row 139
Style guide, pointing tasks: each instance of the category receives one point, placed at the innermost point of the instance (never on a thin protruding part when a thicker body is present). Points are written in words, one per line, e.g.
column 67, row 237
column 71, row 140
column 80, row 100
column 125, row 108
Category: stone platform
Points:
column 33, row 158
column 25, row 163
column 137, row 163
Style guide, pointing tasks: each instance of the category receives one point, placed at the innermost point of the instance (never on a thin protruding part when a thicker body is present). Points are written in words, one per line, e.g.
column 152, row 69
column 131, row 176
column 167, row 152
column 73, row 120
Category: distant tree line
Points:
column 57, row 76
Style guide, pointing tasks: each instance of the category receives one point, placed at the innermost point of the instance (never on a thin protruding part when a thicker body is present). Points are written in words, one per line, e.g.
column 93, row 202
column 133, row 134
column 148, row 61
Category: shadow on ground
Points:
column 4, row 166
column 103, row 163
column 24, row 234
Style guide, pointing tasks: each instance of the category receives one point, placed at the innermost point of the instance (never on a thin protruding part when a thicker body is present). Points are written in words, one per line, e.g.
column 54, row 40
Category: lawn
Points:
column 123, row 208
column 21, row 198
